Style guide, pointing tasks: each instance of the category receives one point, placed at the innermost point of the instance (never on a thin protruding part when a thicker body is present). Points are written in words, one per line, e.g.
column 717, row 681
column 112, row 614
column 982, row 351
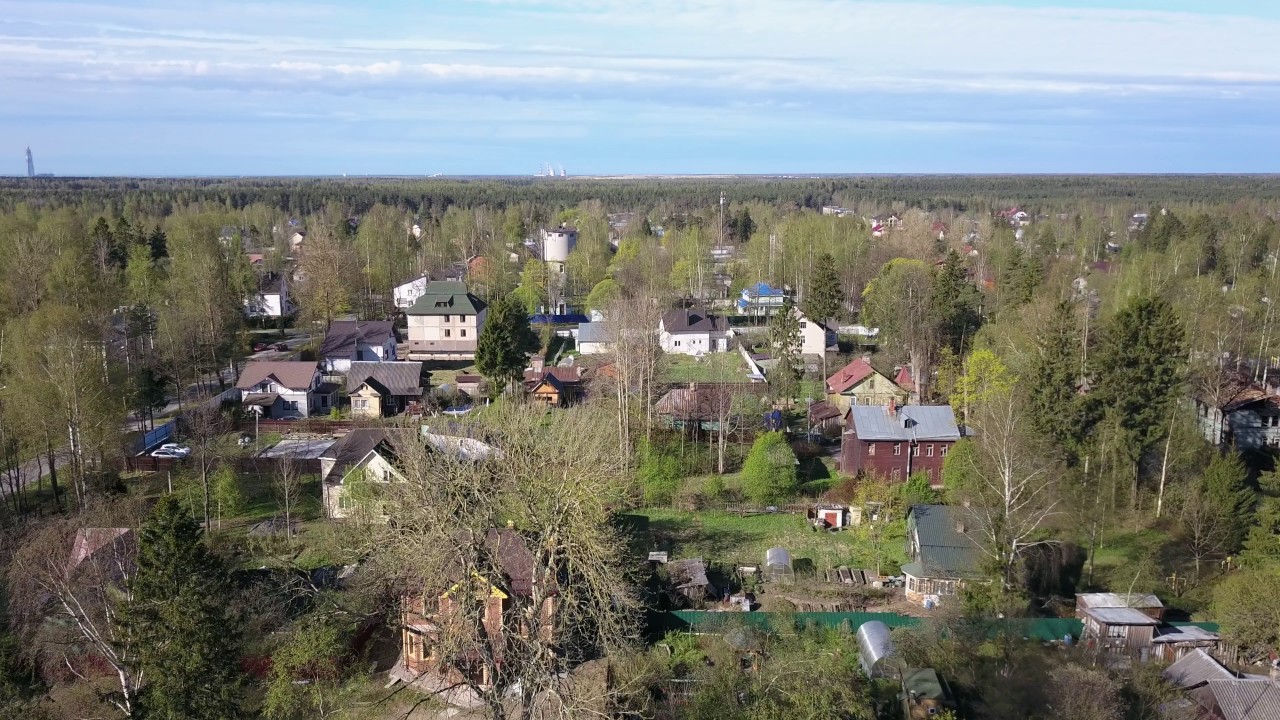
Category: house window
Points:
column 446, row 332
column 803, row 325
column 944, row 450
column 324, row 401
column 1117, row 631
column 915, row 451
column 360, row 404
column 446, row 318
column 897, row 449
column 463, row 332
column 928, row 450
column 871, row 449
column 677, row 343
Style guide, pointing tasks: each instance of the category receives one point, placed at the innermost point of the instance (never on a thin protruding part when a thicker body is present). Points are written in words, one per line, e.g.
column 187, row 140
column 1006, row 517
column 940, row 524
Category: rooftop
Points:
column 398, row 378
column 446, row 297
column 946, row 548
column 293, row 374
column 1120, row 616
column 692, row 320
column 907, row 423
column 344, row 336
column 1117, row 600
column 1196, row 668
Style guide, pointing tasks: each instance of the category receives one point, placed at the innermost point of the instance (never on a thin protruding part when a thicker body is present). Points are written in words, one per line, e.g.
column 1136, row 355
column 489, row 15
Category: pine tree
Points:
column 824, row 297
column 187, row 642
column 504, row 343
column 955, row 304
column 784, row 342
column 1054, row 404
column 1227, row 491
column 1139, row 367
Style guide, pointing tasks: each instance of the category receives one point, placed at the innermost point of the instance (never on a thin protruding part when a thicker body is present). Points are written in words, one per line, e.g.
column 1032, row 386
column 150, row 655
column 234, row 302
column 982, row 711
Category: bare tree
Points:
column 287, row 484
column 69, row 589
column 203, row 426
column 636, row 351
column 1202, row 530
column 1013, row 491
column 510, row 566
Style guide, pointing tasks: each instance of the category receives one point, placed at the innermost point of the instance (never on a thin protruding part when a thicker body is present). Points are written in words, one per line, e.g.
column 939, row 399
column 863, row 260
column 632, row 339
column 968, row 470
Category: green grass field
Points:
column 713, row 367
column 729, row 538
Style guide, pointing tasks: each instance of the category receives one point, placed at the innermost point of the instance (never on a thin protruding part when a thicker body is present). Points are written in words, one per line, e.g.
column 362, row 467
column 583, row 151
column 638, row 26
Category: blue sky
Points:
column 157, row 87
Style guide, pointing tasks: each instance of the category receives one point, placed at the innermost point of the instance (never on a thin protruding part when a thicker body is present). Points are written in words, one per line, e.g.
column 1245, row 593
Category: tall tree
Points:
column 186, row 638
column 769, row 472
column 328, row 269
column 504, row 344
column 1226, row 491
column 784, row 345
column 824, row 297
column 1139, row 367
column 898, row 300
column 955, row 304
column 1054, row 406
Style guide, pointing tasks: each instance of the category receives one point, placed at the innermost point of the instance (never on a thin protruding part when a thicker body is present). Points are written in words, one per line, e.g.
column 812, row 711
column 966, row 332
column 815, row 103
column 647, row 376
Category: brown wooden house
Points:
column 505, row 602
column 892, row 442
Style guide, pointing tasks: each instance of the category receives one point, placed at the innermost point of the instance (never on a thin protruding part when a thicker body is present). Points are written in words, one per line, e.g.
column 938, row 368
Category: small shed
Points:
column 1144, row 603
column 1118, row 630
column 690, row 579
column 875, row 649
column 925, row 694
column 1173, row 643
column 829, row 516
column 777, row 565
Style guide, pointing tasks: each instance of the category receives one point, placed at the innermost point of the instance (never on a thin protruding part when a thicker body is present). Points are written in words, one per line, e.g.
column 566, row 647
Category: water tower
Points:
column 557, row 243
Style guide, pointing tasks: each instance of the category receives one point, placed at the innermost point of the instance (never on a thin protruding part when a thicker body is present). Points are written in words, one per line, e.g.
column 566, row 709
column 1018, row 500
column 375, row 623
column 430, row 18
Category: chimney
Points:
column 960, row 527
column 893, row 407
column 537, row 362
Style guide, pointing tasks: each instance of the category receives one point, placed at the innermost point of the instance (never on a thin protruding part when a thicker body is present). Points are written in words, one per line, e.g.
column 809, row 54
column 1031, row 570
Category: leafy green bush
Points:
column 659, row 475
column 769, row 474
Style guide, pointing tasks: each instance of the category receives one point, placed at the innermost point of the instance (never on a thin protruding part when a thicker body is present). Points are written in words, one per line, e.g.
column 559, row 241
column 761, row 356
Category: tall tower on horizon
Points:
column 31, row 164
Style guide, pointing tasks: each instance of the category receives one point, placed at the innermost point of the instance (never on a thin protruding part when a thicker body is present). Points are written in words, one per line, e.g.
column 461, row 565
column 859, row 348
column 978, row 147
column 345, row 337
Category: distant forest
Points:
column 430, row 197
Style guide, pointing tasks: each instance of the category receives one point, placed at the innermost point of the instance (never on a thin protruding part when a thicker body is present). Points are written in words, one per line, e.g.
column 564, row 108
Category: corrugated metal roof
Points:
column 597, row 332
column 1194, row 669
column 1118, row 600
column 1247, row 699
column 941, row 533
column 446, row 297
column 909, row 422
column 1120, row 616
column 400, row 377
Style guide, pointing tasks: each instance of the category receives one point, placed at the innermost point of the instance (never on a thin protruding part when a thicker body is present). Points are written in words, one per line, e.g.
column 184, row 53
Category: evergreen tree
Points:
column 159, row 243
column 824, row 298
column 187, row 641
column 1227, row 491
column 955, row 304
column 784, row 342
column 1054, row 404
column 769, row 473
column 1138, row 369
column 505, row 343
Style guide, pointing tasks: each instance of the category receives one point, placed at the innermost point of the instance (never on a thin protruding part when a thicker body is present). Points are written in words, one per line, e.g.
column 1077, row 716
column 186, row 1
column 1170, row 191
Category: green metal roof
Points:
column 945, row 551
column 446, row 297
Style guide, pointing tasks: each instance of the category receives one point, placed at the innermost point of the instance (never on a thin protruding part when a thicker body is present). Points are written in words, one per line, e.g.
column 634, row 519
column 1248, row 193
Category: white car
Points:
column 175, row 448
column 162, row 453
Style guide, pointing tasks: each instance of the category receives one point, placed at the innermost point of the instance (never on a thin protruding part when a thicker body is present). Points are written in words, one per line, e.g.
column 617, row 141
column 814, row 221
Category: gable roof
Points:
column 1246, row 699
column 94, row 540
column 1194, row 669
column 1118, row 600
column 351, row 449
column 852, row 374
column 945, row 551
column 397, row 377
column 293, row 374
column 446, row 297
column 691, row 320
column 903, row 378
column 344, row 336
column 1120, row 616
column 905, row 424
column 598, row 332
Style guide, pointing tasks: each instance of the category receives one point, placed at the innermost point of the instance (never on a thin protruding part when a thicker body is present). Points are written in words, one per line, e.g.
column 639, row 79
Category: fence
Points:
column 153, row 437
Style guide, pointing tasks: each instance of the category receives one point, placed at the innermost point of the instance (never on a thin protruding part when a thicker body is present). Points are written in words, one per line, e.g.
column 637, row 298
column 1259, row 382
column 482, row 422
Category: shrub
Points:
column 659, row 475
column 769, row 474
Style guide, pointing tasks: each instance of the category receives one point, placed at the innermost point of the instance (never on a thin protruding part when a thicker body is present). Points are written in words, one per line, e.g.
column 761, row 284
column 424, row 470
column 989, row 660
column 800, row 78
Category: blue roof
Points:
column 569, row 319
column 764, row 290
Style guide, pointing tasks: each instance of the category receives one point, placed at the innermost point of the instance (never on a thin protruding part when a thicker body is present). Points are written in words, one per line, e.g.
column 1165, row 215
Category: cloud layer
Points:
column 609, row 86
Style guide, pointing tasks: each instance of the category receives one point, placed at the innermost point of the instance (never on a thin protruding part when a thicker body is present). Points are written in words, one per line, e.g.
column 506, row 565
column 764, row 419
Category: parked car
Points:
column 282, row 347
column 180, row 450
column 259, row 347
column 166, row 454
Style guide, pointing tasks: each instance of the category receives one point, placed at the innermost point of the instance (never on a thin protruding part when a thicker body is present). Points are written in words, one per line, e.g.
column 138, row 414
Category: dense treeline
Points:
column 431, row 197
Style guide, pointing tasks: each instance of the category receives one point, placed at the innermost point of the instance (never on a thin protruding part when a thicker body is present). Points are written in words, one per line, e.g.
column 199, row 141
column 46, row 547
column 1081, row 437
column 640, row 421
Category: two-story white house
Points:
column 351, row 341
column 761, row 300
column 286, row 389
column 445, row 322
column 406, row 294
column 271, row 300
column 693, row 331
column 815, row 337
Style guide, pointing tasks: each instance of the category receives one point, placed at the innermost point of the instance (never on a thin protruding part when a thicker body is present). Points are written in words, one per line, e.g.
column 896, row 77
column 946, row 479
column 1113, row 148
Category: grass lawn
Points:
column 728, row 538
column 713, row 367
